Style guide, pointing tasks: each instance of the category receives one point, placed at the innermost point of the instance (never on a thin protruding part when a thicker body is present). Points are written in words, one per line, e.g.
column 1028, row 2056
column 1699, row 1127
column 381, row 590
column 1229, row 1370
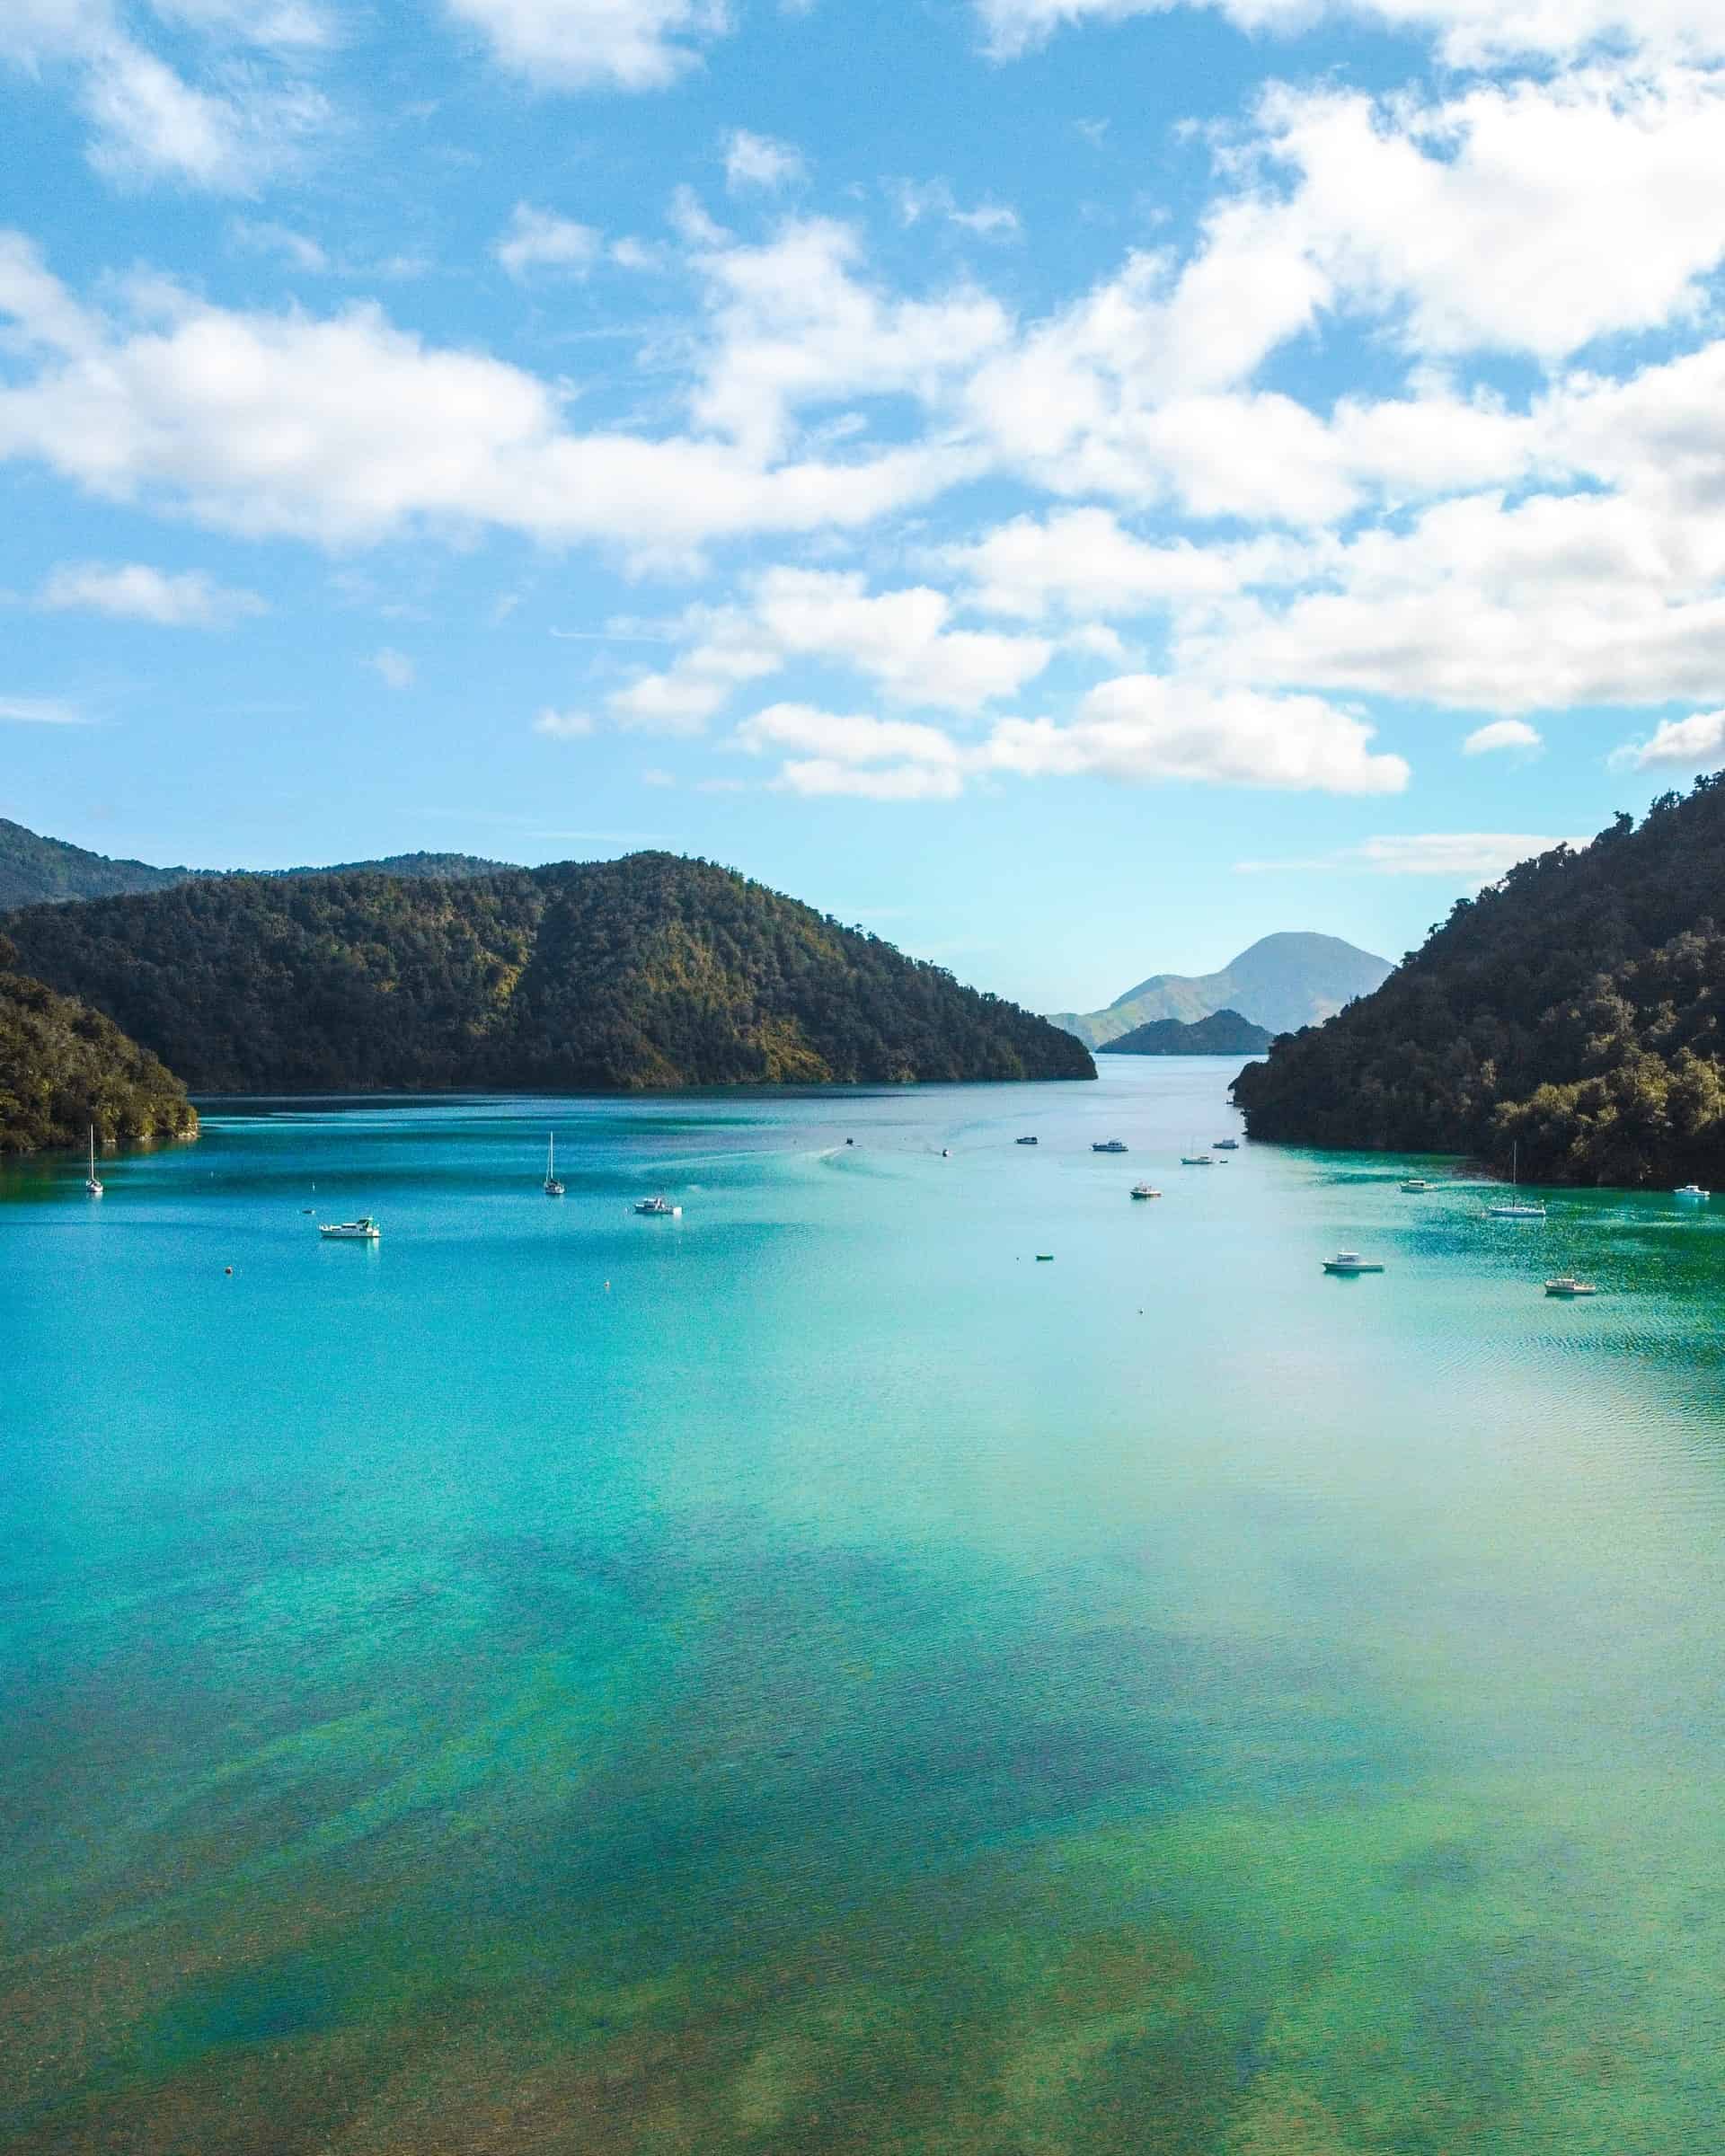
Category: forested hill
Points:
column 64, row 1069
column 1575, row 1008
column 648, row 971
column 33, row 869
column 1222, row 1033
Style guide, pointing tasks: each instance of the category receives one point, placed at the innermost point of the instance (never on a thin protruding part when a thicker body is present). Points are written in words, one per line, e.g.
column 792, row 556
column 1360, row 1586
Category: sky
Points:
column 1069, row 485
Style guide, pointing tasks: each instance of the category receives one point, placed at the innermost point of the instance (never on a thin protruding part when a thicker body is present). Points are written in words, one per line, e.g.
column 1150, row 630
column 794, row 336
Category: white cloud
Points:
column 40, row 710
column 1693, row 743
column 901, row 641
column 564, row 726
column 796, row 325
column 1144, row 727
column 1501, row 734
column 757, row 160
column 894, row 783
column 394, row 669
column 1469, row 32
column 595, row 44
column 800, row 729
column 135, row 592
column 1470, row 858
column 538, row 239
column 1085, row 561
column 344, row 428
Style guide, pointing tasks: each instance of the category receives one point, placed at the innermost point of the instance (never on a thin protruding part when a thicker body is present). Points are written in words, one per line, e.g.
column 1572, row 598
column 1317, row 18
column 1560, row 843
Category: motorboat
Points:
column 1108, row 1146
column 1691, row 1190
column 1349, row 1263
column 1567, row 1287
column 1026, row 1141
column 1144, row 1191
column 1516, row 1208
column 1225, row 1144
column 658, row 1208
column 554, row 1188
column 1416, row 1182
column 363, row 1230
column 1196, row 1160
column 93, row 1181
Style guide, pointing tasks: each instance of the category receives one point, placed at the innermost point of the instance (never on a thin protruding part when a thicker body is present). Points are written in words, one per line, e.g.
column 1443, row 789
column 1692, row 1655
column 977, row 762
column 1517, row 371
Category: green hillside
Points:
column 1222, row 1033
column 1575, row 1008
column 64, row 1068
column 648, row 971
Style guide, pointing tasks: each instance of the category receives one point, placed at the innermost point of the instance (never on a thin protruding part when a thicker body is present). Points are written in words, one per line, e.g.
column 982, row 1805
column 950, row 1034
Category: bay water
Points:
column 812, row 1676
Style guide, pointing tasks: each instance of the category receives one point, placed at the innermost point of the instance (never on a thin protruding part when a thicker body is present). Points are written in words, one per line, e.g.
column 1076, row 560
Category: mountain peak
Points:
column 1290, row 978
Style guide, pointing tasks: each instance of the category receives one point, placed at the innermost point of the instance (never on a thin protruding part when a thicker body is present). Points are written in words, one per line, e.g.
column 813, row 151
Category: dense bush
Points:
column 648, row 971
column 1575, row 1008
column 64, row 1068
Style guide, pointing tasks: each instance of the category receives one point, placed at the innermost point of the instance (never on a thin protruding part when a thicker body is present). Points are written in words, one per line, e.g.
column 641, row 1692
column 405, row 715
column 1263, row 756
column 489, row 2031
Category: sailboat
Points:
column 93, row 1181
column 554, row 1188
column 1517, row 1208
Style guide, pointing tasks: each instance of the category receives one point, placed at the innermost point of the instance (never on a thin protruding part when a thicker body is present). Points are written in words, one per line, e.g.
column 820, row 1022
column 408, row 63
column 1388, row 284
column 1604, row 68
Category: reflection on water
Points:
column 807, row 1677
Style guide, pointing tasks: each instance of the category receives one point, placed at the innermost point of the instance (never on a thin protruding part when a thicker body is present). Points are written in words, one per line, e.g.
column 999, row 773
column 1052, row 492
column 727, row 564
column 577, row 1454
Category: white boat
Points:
column 658, row 1208
column 1196, row 1160
column 1416, row 1182
column 554, row 1188
column 363, row 1230
column 1691, row 1190
column 1144, row 1191
column 93, row 1181
column 1350, row 1263
column 1027, row 1141
column 1516, row 1208
column 1567, row 1287
column 1108, row 1145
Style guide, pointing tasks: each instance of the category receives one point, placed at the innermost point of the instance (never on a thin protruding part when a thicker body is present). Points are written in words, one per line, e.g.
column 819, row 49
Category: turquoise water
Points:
column 807, row 1676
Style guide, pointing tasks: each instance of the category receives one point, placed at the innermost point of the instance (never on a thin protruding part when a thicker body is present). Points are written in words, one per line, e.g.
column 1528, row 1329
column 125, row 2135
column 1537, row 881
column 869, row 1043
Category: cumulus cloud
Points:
column 595, row 44
column 136, row 592
column 1502, row 734
column 753, row 161
column 1693, row 743
column 344, row 428
column 564, row 726
column 538, row 239
column 901, row 641
column 1148, row 727
column 1138, row 730
column 916, row 199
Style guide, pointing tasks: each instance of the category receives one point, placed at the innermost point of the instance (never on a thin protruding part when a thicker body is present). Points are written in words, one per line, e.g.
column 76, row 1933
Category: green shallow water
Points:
column 808, row 1677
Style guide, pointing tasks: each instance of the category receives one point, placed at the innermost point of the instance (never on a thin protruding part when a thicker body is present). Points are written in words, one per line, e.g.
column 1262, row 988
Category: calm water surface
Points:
column 807, row 1676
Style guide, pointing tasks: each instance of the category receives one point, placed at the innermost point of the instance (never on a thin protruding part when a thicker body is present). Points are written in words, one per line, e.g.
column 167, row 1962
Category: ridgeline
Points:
column 64, row 1068
column 1575, row 1008
column 652, row 971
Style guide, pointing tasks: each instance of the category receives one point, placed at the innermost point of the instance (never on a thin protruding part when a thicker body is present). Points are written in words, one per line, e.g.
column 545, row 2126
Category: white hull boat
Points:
column 363, row 1230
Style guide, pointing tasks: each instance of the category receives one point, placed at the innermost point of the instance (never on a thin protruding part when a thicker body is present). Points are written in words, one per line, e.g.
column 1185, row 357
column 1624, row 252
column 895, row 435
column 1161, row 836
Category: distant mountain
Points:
column 34, row 869
column 1283, row 982
column 65, row 1070
column 1576, row 1010
column 1222, row 1033
column 648, row 971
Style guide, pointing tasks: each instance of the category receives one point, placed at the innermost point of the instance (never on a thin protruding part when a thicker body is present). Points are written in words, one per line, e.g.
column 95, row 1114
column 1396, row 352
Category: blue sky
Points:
column 1071, row 484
